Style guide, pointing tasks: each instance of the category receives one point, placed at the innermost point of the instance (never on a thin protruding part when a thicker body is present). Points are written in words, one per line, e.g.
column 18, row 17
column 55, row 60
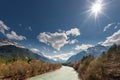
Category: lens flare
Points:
column 96, row 8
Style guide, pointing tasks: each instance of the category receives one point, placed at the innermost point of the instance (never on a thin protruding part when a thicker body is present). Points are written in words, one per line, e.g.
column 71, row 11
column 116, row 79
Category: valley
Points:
column 59, row 40
column 20, row 63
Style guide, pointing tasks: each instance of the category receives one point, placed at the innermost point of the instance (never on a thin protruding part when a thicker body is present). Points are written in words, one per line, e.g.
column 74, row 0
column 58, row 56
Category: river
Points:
column 64, row 73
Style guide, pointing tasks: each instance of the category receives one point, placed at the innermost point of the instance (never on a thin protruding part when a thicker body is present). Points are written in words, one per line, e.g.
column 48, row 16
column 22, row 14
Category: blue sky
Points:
column 59, row 28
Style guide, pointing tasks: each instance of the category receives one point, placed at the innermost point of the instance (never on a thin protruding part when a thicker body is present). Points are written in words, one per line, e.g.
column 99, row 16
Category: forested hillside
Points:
column 104, row 67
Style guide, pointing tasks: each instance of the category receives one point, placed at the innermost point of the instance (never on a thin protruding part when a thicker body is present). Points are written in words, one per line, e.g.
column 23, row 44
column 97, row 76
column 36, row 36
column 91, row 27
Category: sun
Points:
column 96, row 8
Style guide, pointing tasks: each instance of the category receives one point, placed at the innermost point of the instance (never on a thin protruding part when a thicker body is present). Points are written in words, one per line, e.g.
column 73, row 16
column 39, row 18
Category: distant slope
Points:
column 11, row 49
column 96, row 51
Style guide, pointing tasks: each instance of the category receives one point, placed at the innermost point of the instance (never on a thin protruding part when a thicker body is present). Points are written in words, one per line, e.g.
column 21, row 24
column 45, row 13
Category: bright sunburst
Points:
column 96, row 8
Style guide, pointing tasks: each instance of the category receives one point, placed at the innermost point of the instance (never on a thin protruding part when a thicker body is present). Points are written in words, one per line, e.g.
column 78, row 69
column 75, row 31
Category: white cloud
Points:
column 100, row 42
column 8, row 34
column 108, row 26
column 73, row 41
column 118, row 25
column 35, row 50
column 83, row 47
column 61, row 57
column 73, row 32
column 115, row 38
column 3, row 27
column 56, row 40
column 13, row 35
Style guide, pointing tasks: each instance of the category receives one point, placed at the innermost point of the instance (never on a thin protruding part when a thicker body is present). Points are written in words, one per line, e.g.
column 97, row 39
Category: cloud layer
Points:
column 114, row 25
column 35, row 50
column 58, row 39
column 73, row 41
column 13, row 35
column 73, row 32
column 3, row 27
column 10, row 35
column 115, row 38
column 108, row 26
column 83, row 46
column 61, row 57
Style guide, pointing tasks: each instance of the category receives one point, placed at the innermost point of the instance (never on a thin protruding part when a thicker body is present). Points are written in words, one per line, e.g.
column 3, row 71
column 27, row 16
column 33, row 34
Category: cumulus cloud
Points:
column 13, row 35
column 58, row 39
column 3, row 27
column 115, row 38
column 83, row 46
column 5, row 30
column 73, row 41
column 61, row 57
column 108, row 26
column 73, row 32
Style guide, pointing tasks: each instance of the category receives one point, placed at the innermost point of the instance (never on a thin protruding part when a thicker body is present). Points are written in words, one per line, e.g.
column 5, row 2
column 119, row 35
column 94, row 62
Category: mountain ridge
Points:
column 13, row 49
column 95, row 51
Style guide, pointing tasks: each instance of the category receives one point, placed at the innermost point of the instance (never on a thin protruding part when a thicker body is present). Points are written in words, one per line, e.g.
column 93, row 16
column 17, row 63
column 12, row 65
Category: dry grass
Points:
column 21, row 69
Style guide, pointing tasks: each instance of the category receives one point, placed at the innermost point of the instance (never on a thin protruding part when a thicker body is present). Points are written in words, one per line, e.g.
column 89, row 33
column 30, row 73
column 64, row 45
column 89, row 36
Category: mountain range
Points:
column 9, row 49
column 95, row 51
column 13, row 49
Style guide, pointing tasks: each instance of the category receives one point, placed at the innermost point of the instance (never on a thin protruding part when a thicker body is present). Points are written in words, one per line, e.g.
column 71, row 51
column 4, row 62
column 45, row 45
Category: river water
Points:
column 64, row 73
